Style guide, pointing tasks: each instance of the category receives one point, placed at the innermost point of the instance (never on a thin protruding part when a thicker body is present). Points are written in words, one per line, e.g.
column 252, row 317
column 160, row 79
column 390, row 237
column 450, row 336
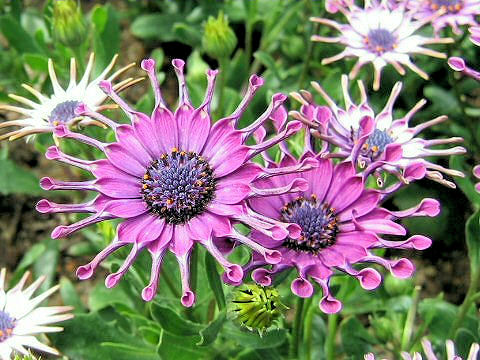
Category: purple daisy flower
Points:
column 454, row 13
column 341, row 223
column 458, row 64
column 176, row 180
column 371, row 140
column 381, row 36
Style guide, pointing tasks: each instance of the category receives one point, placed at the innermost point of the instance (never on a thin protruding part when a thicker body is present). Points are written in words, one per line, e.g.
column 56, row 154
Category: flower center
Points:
column 376, row 143
column 318, row 223
column 451, row 6
column 63, row 112
column 6, row 326
column 178, row 186
column 380, row 41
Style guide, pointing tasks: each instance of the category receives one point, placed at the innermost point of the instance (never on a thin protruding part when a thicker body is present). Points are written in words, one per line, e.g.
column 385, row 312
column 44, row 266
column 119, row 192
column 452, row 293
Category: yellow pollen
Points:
column 146, row 176
column 183, row 153
column 144, row 186
column 375, row 149
column 169, row 201
column 55, row 123
column 365, row 146
column 174, row 150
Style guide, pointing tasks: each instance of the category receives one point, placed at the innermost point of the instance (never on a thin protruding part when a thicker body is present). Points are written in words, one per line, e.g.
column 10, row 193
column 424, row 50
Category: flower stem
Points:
column 223, row 64
column 331, row 335
column 470, row 298
column 409, row 322
column 313, row 29
column 309, row 314
column 297, row 329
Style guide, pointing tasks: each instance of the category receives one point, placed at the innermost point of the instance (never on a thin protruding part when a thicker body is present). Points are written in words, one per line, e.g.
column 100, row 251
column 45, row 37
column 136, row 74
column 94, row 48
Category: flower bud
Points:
column 255, row 307
column 396, row 287
column 24, row 357
column 69, row 26
column 218, row 40
column 382, row 327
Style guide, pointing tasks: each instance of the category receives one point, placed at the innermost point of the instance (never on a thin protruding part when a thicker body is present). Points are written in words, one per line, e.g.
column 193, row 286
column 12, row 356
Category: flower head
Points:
column 20, row 320
column 378, row 142
column 177, row 180
column 430, row 355
column 458, row 64
column 381, row 36
column 59, row 108
column 219, row 39
column 341, row 223
column 69, row 26
column 453, row 13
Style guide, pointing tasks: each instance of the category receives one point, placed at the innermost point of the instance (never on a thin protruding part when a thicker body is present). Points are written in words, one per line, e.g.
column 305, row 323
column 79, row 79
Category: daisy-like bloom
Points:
column 381, row 36
column 458, row 64
column 333, row 6
column 176, row 180
column 454, row 13
column 366, row 138
column 341, row 223
column 21, row 320
column 42, row 116
column 430, row 355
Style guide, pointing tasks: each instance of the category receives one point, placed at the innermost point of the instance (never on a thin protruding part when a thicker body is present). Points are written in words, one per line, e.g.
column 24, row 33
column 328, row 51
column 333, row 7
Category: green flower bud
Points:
column 255, row 307
column 383, row 328
column 69, row 26
column 218, row 40
column 396, row 287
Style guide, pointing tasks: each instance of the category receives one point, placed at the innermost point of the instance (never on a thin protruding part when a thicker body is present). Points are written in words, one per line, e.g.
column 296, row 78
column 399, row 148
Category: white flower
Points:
column 48, row 112
column 20, row 320
column 381, row 36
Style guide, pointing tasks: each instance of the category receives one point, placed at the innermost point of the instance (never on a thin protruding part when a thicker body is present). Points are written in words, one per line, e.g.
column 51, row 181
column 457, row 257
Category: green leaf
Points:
column 210, row 332
column 37, row 62
column 438, row 314
column 90, row 337
column 182, row 348
column 472, row 233
column 355, row 338
column 106, row 35
column 245, row 338
column 47, row 262
column 173, row 323
column 156, row 26
column 16, row 35
column 29, row 258
column 25, row 181
column 101, row 297
column 442, row 99
column 214, row 280
column 70, row 295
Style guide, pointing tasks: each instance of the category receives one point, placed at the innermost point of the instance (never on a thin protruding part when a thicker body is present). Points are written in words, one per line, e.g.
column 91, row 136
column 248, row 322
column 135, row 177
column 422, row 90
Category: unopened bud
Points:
column 218, row 40
column 256, row 307
column 69, row 26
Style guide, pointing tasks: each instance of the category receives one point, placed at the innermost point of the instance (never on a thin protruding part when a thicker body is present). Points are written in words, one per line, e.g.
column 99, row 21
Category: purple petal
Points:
column 302, row 287
column 126, row 208
column 166, row 129
column 122, row 159
column 231, row 193
column 120, row 187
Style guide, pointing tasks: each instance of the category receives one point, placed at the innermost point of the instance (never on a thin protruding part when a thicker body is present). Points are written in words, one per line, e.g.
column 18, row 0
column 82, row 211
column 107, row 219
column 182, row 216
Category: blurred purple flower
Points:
column 458, row 64
column 176, row 180
column 381, row 36
column 378, row 142
column 453, row 13
column 430, row 355
column 341, row 223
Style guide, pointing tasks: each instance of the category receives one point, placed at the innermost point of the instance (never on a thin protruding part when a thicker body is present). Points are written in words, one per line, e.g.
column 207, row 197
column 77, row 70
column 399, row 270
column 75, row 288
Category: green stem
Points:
column 313, row 29
column 310, row 312
column 331, row 335
column 79, row 56
column 223, row 64
column 470, row 298
column 248, row 39
column 410, row 321
column 297, row 329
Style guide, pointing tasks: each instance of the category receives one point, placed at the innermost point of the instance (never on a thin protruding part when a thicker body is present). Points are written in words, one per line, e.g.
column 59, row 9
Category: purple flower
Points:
column 476, row 173
column 341, row 223
column 453, row 13
column 430, row 355
column 377, row 142
column 458, row 64
column 381, row 36
column 176, row 180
